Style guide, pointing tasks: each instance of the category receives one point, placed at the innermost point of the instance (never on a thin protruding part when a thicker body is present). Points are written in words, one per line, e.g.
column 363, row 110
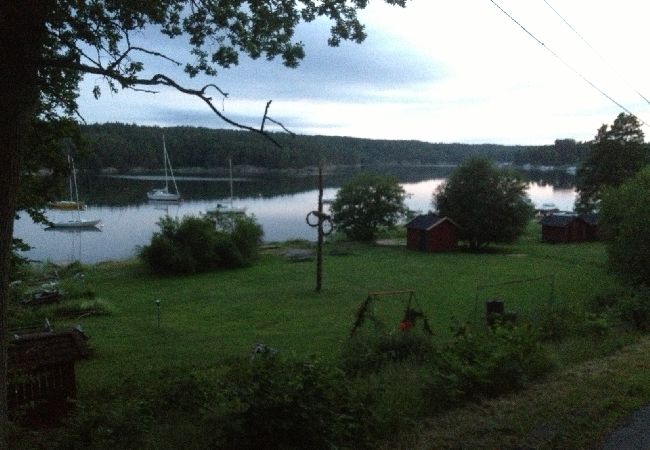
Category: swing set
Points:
column 412, row 311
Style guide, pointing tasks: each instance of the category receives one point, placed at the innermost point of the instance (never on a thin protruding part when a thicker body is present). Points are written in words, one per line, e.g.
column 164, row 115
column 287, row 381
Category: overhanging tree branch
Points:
column 132, row 82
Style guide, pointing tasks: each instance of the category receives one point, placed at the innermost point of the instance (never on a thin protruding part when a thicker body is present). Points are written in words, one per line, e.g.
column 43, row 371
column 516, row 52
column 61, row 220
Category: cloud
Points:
column 435, row 71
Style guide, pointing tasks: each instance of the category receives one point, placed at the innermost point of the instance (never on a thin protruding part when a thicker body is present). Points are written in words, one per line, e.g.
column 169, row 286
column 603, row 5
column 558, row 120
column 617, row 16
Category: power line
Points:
column 607, row 63
column 567, row 65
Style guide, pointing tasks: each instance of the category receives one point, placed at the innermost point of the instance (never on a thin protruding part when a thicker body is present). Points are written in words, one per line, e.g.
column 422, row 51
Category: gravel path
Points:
column 634, row 435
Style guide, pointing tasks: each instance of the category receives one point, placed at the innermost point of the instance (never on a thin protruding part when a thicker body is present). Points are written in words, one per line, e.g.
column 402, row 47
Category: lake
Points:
column 280, row 204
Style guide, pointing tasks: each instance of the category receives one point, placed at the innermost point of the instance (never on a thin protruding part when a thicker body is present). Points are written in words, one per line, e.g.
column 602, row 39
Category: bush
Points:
column 197, row 244
column 500, row 360
column 625, row 225
column 367, row 352
column 634, row 308
column 260, row 403
column 270, row 403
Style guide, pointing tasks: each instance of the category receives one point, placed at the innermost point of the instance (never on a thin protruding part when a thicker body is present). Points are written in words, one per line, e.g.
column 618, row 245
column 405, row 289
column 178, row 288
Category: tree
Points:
column 490, row 204
column 617, row 153
column 47, row 46
column 367, row 203
column 625, row 225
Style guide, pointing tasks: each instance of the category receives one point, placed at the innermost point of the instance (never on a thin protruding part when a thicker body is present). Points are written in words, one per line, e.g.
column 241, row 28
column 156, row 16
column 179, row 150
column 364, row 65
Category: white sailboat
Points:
column 163, row 194
column 230, row 208
column 78, row 222
column 71, row 204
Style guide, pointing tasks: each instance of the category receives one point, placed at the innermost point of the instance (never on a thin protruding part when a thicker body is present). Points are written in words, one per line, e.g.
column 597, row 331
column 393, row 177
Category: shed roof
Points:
column 30, row 351
column 428, row 221
column 559, row 220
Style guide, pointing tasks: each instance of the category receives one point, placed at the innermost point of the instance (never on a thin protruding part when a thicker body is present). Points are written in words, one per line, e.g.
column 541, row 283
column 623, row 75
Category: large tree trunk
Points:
column 21, row 36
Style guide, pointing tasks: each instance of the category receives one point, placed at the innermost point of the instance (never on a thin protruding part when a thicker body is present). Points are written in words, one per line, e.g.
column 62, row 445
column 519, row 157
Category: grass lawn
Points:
column 211, row 317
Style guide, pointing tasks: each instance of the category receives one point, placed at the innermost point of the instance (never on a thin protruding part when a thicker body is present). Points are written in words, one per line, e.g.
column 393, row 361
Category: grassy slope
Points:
column 207, row 318
column 573, row 409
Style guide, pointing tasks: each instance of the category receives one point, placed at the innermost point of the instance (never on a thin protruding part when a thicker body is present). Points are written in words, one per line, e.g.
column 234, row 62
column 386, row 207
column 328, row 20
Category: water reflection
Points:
column 278, row 202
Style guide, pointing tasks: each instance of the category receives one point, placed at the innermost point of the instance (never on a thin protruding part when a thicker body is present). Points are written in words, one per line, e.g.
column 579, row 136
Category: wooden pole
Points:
column 319, row 248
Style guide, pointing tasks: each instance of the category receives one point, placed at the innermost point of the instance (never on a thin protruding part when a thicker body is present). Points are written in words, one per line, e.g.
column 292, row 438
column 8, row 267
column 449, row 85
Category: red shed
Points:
column 432, row 233
column 564, row 228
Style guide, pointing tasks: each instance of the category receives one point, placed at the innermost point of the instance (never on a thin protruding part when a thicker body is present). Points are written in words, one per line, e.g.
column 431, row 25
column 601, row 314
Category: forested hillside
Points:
column 133, row 147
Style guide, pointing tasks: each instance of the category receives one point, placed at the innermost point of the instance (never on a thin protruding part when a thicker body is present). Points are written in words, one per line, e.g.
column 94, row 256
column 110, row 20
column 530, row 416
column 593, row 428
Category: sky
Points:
column 435, row 71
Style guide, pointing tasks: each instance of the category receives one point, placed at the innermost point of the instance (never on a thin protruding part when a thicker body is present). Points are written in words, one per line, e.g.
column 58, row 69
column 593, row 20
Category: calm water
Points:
column 279, row 204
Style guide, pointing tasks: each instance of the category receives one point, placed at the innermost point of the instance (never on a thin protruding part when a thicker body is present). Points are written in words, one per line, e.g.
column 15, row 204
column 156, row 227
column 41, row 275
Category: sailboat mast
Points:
column 70, row 177
column 165, row 163
column 171, row 172
column 76, row 191
column 230, row 170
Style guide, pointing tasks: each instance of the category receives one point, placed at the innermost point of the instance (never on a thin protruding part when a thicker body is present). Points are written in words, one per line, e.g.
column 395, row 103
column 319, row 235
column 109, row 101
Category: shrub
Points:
column 625, row 225
column 368, row 352
column 491, row 363
column 634, row 308
column 270, row 403
column 196, row 244
column 260, row 403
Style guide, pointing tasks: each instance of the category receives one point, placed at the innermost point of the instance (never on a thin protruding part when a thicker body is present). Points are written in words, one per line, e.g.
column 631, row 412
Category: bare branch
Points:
column 266, row 113
column 131, row 82
column 280, row 125
column 125, row 54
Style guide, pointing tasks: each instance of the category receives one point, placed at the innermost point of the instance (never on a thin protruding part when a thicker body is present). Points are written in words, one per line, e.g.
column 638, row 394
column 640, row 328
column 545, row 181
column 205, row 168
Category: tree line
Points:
column 127, row 147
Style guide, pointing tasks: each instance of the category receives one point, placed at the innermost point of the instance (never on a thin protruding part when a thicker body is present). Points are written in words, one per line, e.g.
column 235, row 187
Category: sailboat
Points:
column 78, row 222
column 163, row 194
column 71, row 204
column 228, row 209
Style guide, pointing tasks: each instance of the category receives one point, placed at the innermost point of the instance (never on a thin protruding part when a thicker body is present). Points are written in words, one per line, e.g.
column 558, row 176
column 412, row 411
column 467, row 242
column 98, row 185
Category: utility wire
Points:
column 567, row 65
column 607, row 63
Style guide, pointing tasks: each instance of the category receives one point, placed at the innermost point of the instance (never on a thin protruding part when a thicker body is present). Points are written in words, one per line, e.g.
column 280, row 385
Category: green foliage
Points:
column 474, row 364
column 490, row 204
column 197, row 244
column 366, row 204
column 617, row 153
column 565, row 322
column 271, row 403
column 263, row 402
column 634, row 308
column 369, row 352
column 625, row 225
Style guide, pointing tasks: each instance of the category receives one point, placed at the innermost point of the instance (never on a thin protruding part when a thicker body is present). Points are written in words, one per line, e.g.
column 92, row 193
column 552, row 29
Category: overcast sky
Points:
column 437, row 71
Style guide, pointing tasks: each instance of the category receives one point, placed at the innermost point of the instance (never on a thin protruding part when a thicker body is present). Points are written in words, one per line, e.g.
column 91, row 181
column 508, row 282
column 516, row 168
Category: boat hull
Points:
column 67, row 205
column 161, row 195
column 70, row 224
column 226, row 210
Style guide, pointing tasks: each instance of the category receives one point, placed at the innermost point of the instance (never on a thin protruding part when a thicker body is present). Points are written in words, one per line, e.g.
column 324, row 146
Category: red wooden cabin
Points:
column 432, row 233
column 564, row 228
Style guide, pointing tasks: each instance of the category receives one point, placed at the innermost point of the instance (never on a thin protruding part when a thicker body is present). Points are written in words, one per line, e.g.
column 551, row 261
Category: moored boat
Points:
column 163, row 194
